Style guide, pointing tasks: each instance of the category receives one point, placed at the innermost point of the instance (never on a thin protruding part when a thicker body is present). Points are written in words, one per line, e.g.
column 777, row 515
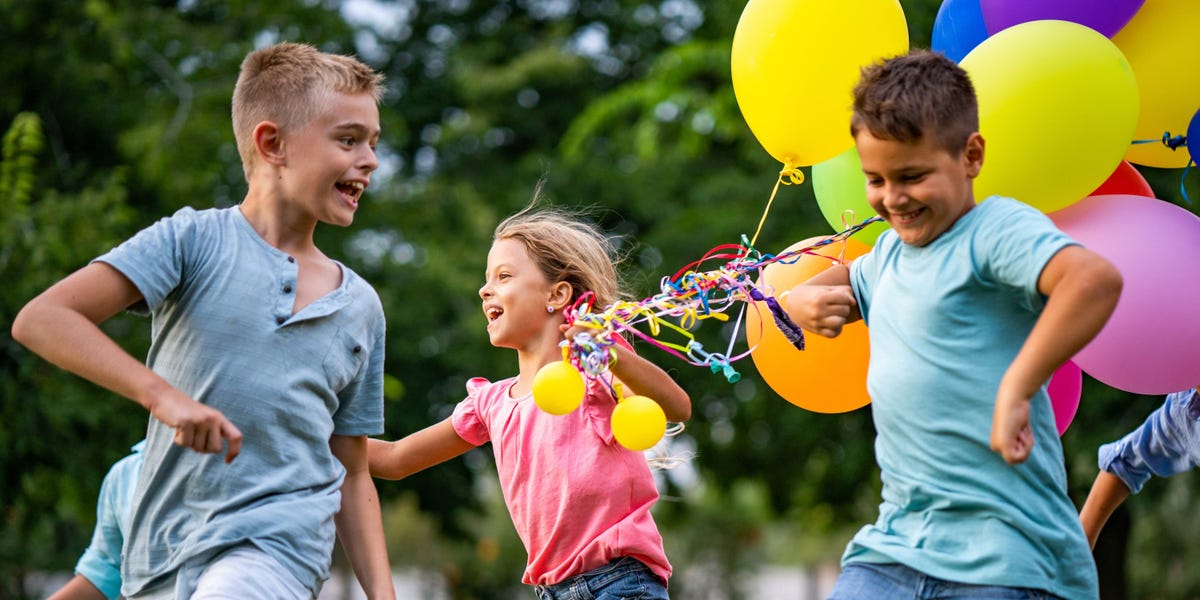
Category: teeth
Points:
column 494, row 313
column 358, row 185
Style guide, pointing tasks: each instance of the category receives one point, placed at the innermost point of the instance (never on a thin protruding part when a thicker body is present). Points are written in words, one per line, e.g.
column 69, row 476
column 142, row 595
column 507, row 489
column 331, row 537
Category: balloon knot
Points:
column 791, row 175
column 1173, row 142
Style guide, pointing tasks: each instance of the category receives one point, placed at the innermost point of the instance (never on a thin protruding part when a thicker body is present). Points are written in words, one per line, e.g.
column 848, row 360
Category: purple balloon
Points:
column 1150, row 343
column 958, row 28
column 1106, row 16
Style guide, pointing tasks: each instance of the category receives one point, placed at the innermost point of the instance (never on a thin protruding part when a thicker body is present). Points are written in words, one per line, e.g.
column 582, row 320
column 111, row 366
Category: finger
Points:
column 183, row 436
column 234, row 437
column 212, row 440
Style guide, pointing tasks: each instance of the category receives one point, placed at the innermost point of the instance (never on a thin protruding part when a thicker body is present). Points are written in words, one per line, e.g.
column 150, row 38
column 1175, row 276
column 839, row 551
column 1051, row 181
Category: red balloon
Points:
column 1125, row 180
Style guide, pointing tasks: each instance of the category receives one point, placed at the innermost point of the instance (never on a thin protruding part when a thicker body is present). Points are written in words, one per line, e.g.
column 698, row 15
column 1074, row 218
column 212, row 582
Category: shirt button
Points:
column 280, row 320
column 357, row 349
column 287, row 289
column 291, row 259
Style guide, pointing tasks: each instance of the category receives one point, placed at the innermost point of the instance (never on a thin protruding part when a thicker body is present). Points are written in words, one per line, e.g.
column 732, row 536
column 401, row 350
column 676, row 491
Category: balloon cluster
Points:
column 684, row 300
column 1072, row 94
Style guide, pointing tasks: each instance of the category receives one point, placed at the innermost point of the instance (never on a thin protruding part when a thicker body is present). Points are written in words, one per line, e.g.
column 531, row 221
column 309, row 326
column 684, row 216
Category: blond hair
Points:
column 566, row 248
column 287, row 83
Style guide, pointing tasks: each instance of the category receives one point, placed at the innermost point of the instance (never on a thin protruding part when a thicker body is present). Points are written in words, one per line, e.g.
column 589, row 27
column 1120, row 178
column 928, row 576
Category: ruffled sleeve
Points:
column 469, row 418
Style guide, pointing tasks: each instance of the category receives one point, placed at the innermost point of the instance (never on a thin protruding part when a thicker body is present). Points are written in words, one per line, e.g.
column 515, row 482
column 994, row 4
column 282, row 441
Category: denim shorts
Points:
column 870, row 580
column 624, row 578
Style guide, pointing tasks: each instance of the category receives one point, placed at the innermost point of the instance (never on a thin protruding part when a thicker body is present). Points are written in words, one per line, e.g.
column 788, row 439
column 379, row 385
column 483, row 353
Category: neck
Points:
column 278, row 222
column 535, row 355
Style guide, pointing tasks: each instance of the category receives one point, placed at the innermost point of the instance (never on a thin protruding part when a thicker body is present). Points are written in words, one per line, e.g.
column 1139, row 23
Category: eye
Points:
column 874, row 181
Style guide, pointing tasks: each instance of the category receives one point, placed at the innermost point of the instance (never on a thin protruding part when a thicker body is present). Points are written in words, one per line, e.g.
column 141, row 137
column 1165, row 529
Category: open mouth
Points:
column 493, row 313
column 351, row 191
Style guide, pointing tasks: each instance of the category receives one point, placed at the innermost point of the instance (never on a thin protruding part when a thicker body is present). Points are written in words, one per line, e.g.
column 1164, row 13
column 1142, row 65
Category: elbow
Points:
column 1108, row 284
column 23, row 329
column 681, row 409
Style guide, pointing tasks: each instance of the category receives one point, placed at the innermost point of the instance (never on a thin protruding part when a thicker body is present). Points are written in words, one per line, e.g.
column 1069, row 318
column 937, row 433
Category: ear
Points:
column 972, row 155
column 560, row 296
column 268, row 143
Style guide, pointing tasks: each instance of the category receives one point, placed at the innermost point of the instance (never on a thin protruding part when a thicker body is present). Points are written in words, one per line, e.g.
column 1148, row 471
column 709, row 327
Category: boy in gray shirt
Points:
column 263, row 349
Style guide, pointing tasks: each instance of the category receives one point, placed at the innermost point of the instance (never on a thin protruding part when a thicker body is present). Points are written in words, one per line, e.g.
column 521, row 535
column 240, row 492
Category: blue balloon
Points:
column 1193, row 138
column 958, row 28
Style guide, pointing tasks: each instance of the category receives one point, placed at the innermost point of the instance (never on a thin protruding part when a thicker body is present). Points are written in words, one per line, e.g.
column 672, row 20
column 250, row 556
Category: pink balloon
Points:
column 1065, row 387
column 1151, row 344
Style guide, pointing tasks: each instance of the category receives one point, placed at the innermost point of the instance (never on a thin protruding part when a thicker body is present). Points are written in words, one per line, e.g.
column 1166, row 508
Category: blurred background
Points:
column 117, row 114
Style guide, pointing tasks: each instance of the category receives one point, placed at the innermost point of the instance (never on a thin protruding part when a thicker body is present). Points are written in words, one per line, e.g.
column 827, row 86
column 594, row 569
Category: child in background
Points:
column 1166, row 444
column 579, row 501
column 969, row 311
column 263, row 349
column 98, row 572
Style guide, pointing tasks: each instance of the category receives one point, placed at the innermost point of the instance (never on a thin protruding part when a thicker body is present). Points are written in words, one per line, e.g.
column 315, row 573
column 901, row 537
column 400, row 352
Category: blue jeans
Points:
column 624, row 578
column 869, row 580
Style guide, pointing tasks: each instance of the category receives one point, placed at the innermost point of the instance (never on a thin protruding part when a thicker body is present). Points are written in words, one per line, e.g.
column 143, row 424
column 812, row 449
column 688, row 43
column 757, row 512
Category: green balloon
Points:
column 841, row 191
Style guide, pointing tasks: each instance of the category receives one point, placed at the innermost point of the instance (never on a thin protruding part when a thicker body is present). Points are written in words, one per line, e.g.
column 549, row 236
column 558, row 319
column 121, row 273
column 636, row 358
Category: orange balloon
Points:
column 830, row 374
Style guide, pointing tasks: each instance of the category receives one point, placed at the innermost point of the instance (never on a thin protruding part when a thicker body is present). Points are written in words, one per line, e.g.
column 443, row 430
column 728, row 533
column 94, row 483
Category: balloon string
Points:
column 790, row 174
column 1171, row 141
column 1183, row 179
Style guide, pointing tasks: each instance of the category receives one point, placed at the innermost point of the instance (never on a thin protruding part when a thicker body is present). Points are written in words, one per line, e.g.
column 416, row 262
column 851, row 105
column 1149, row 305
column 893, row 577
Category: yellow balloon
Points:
column 795, row 62
column 1057, row 108
column 558, row 388
column 1160, row 43
column 638, row 423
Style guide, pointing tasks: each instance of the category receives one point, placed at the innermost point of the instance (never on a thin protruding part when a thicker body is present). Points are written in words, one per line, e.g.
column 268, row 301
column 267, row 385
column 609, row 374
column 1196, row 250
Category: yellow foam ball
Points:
column 638, row 423
column 558, row 388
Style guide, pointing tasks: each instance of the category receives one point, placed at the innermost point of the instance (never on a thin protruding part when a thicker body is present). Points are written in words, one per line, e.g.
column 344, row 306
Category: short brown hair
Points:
column 286, row 83
column 913, row 95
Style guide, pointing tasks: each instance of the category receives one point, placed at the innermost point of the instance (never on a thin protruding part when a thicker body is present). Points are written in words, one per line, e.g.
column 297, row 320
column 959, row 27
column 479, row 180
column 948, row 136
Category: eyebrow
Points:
column 357, row 128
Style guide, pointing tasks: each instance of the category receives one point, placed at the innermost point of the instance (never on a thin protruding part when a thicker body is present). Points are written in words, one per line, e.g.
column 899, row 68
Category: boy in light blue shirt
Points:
column 265, row 371
column 98, row 572
column 970, row 309
column 1166, row 444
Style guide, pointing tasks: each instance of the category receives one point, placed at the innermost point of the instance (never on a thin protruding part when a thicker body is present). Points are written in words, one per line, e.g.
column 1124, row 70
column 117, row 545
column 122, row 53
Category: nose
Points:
column 485, row 292
column 892, row 195
column 368, row 160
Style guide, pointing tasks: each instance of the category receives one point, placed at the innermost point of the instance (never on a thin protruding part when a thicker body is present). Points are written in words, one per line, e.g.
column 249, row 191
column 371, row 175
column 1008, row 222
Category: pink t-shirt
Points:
column 578, row 499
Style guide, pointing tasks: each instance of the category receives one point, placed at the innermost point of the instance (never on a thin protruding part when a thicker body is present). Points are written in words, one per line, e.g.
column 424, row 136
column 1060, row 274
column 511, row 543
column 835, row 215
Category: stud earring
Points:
column 550, row 309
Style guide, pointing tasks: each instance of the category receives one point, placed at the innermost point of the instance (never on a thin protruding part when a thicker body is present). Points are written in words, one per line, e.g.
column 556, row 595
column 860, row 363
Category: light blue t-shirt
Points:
column 1168, row 443
column 101, row 561
column 223, row 332
column 945, row 321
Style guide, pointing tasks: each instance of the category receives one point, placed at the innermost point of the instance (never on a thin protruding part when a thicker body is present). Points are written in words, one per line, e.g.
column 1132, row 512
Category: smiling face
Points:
column 329, row 161
column 515, row 295
column 920, row 189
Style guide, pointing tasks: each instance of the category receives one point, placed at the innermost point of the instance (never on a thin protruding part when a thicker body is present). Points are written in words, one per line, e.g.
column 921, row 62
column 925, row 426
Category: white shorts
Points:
column 241, row 573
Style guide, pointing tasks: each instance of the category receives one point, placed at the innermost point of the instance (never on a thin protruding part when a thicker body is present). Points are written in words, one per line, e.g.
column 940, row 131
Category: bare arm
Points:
column 1108, row 492
column 78, row 588
column 62, row 325
column 415, row 452
column 359, row 522
column 645, row 378
column 1082, row 290
column 825, row 303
